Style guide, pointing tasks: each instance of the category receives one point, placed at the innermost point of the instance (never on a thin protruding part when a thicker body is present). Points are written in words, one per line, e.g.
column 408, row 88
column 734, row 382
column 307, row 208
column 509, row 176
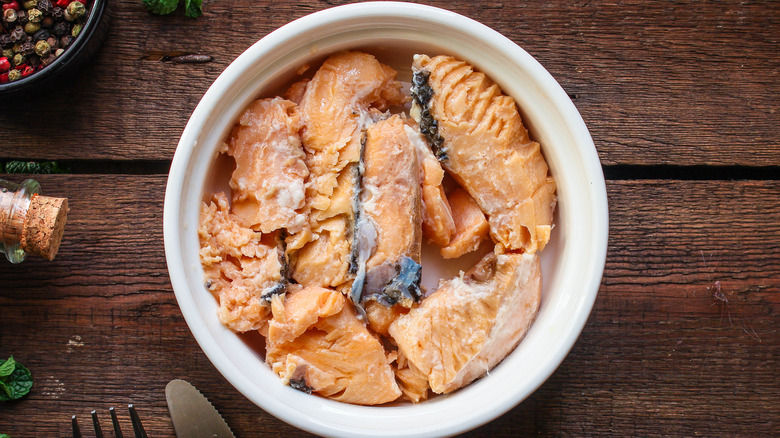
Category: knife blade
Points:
column 192, row 414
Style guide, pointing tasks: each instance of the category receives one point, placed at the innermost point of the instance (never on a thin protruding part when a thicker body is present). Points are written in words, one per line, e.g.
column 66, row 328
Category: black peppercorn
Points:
column 42, row 49
column 45, row 6
column 49, row 59
column 42, row 34
column 47, row 22
column 27, row 49
column 21, row 17
column 66, row 40
column 17, row 35
column 57, row 13
column 54, row 43
column 5, row 41
column 34, row 61
column 61, row 28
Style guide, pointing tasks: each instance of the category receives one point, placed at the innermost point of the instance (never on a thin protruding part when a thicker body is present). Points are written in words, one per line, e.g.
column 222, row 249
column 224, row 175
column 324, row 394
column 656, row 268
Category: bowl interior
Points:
column 571, row 263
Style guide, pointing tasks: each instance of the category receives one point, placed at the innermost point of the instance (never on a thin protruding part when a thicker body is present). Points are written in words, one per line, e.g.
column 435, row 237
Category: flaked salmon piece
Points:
column 380, row 316
column 437, row 224
column 344, row 96
column 477, row 133
column 389, row 201
column 317, row 344
column 296, row 90
column 241, row 271
column 470, row 225
column 413, row 382
column 268, row 182
column 325, row 260
column 472, row 321
column 335, row 109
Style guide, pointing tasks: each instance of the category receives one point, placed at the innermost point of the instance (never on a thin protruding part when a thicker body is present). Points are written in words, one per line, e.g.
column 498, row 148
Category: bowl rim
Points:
column 185, row 150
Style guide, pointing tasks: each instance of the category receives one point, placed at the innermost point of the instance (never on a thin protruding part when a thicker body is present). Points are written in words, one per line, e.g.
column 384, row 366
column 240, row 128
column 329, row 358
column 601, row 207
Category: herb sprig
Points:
column 15, row 380
column 32, row 167
column 192, row 8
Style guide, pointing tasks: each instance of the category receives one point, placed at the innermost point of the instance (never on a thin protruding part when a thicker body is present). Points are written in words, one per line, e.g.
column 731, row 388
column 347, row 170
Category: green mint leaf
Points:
column 7, row 367
column 17, row 384
column 3, row 435
column 7, row 392
column 161, row 7
column 34, row 167
column 193, row 9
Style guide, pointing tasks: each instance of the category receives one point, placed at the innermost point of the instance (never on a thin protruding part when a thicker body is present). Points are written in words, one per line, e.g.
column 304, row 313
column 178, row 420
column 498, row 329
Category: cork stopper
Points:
column 44, row 226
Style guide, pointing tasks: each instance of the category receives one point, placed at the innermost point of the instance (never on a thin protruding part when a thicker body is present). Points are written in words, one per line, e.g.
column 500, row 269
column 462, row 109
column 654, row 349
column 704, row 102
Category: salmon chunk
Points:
column 438, row 225
column 317, row 344
column 472, row 321
column 470, row 225
column 390, row 202
column 346, row 94
column 268, row 182
column 241, row 271
column 477, row 134
column 413, row 382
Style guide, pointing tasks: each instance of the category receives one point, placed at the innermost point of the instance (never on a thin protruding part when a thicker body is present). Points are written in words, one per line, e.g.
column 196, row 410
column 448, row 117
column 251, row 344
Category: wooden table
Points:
column 682, row 100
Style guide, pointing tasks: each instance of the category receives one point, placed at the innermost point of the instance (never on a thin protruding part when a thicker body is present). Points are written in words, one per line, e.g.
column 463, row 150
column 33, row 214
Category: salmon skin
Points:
column 388, row 233
column 477, row 134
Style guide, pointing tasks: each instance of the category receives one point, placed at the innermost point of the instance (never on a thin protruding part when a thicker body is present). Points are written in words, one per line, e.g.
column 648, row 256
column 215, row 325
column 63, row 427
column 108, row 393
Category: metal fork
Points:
column 138, row 428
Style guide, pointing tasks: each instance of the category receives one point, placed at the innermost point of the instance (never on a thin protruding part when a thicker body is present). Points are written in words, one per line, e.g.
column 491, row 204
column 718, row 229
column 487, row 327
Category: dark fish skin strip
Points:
column 403, row 287
column 281, row 286
column 422, row 93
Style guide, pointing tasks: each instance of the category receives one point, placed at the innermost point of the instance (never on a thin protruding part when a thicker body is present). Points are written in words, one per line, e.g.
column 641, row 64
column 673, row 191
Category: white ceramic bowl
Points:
column 572, row 262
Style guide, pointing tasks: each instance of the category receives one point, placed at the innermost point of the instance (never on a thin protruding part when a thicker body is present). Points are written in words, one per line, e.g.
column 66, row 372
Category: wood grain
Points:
column 683, row 338
column 657, row 82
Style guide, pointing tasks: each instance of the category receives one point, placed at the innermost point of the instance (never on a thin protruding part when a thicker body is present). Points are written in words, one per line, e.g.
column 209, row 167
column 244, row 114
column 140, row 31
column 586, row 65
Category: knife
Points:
column 192, row 414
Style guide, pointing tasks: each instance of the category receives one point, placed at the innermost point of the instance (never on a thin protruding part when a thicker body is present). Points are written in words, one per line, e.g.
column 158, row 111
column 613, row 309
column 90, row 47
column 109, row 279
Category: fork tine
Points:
column 115, row 422
column 96, row 425
column 75, row 425
column 138, row 428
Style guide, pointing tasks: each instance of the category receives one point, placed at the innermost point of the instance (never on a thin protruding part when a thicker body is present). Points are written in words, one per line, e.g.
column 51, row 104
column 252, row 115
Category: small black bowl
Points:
column 82, row 49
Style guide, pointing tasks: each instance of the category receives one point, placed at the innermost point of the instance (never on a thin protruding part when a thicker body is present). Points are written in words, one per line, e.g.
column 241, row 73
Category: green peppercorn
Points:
column 76, row 10
column 29, row 4
column 9, row 15
column 34, row 16
column 76, row 30
column 16, row 47
column 18, row 60
column 31, row 28
column 8, row 53
column 14, row 75
column 42, row 49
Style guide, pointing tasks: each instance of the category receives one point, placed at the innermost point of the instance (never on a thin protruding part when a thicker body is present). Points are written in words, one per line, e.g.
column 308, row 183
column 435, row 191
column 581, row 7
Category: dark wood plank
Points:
column 683, row 339
column 657, row 82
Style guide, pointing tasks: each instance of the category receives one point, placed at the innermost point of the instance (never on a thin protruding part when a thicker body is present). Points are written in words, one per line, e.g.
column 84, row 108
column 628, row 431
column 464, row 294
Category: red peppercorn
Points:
column 4, row 64
column 27, row 71
column 63, row 3
column 12, row 5
column 3, row 77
